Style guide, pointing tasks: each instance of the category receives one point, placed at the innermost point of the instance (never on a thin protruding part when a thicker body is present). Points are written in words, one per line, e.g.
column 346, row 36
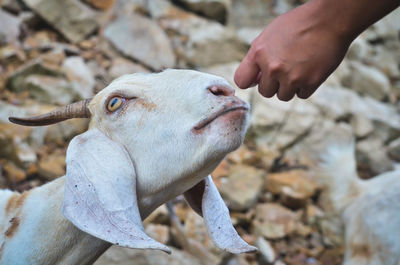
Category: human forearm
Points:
column 348, row 18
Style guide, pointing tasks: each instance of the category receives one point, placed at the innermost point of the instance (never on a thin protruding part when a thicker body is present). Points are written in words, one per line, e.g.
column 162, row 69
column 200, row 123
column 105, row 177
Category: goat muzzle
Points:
column 75, row 110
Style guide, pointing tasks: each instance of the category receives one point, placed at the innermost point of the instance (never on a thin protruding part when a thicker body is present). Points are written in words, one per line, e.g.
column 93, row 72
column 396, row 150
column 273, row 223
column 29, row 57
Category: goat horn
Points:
column 75, row 110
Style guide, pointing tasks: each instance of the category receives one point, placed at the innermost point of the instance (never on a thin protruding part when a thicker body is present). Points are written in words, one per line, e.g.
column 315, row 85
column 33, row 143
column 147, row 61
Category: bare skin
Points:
column 298, row 50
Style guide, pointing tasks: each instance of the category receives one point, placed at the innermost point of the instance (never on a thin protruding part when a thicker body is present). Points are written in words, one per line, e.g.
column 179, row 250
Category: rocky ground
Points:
column 53, row 52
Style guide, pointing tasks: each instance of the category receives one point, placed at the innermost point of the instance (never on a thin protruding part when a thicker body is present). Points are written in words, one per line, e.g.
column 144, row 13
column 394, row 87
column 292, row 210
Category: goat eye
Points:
column 114, row 103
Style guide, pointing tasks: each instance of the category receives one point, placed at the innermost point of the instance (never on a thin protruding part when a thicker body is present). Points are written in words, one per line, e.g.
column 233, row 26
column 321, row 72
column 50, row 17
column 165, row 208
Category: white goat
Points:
column 370, row 209
column 151, row 138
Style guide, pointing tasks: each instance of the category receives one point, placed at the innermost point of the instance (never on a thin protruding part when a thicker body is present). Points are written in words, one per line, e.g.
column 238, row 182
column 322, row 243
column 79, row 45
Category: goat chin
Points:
column 370, row 209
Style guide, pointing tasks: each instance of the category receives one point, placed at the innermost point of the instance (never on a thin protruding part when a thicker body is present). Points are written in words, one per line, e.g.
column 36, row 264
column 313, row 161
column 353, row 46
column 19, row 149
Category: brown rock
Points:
column 13, row 173
column 313, row 213
column 242, row 187
column 195, row 229
column 158, row 232
column 52, row 166
column 101, row 4
column 273, row 221
column 122, row 256
column 13, row 144
column 332, row 230
column 221, row 171
column 158, row 216
column 295, row 187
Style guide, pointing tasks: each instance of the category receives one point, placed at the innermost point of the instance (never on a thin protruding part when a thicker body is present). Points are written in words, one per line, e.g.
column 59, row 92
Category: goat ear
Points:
column 205, row 199
column 100, row 192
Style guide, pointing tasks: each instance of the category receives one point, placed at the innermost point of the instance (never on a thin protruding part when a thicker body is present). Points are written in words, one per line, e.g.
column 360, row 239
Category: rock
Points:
column 278, row 125
column 199, row 42
column 313, row 213
column 158, row 232
column 10, row 54
column 71, row 18
column 52, row 166
column 332, row 230
column 359, row 49
column 266, row 250
column 332, row 256
column 387, row 61
column 273, row 221
column 213, row 9
column 80, row 76
column 343, row 74
column 12, row 6
column 48, row 89
column 63, row 132
column 10, row 28
column 101, row 4
column 16, row 81
column 13, row 144
column 284, row 6
column 34, row 135
column 297, row 180
column 308, row 151
column 394, row 149
column 195, row 229
column 251, row 13
column 295, row 187
column 368, row 80
column 141, row 39
column 24, row 153
column 347, row 103
column 221, row 171
column 361, row 126
column 13, row 173
column 121, row 66
column 128, row 7
column 158, row 216
column 242, row 187
column 247, row 35
column 372, row 154
column 121, row 256
column 237, row 260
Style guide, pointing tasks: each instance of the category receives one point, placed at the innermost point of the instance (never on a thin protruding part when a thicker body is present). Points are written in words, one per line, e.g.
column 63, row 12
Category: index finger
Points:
column 247, row 72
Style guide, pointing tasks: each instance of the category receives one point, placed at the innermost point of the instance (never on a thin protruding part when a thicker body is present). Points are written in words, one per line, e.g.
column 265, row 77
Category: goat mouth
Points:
column 225, row 109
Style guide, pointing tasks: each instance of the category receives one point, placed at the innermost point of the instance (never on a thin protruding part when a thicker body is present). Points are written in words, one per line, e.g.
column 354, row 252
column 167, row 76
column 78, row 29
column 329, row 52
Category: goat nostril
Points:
column 221, row 90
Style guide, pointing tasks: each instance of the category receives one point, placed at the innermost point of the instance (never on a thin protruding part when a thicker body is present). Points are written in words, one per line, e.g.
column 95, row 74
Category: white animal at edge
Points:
column 370, row 209
column 151, row 137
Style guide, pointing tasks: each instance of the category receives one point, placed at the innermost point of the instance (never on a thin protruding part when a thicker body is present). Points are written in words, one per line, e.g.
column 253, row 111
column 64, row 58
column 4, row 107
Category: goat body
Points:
column 151, row 138
column 370, row 209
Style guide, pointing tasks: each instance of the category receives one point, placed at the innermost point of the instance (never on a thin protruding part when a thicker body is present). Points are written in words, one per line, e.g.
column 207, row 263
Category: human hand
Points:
column 294, row 54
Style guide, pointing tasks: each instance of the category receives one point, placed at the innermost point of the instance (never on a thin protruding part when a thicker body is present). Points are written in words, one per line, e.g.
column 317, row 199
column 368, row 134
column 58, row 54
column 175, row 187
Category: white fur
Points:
column 370, row 209
column 156, row 153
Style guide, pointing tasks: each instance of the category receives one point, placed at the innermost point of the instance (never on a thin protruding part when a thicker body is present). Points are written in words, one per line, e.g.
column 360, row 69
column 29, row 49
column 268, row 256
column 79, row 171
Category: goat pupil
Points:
column 113, row 102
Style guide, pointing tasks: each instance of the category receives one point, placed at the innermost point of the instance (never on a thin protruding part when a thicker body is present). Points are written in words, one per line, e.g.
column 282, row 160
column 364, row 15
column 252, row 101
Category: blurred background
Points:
column 54, row 52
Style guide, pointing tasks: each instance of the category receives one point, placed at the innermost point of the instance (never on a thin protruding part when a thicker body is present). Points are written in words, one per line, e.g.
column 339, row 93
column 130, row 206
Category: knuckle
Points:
column 257, row 51
column 276, row 66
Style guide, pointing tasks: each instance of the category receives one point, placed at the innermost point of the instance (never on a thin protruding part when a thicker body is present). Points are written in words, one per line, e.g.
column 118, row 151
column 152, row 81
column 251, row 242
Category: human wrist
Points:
column 330, row 18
